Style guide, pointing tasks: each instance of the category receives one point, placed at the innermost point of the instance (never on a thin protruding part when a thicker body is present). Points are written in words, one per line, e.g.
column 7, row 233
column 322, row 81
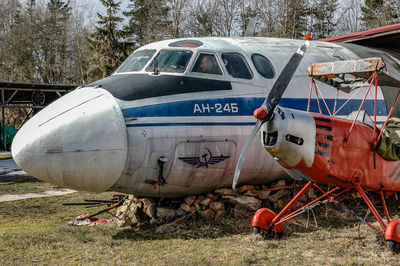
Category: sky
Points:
column 98, row 7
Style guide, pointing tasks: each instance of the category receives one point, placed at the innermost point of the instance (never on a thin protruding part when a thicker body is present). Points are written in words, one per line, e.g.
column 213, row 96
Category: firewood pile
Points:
column 243, row 201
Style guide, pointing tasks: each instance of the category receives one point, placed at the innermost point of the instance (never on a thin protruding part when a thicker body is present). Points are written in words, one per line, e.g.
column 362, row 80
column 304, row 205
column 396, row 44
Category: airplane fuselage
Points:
column 160, row 107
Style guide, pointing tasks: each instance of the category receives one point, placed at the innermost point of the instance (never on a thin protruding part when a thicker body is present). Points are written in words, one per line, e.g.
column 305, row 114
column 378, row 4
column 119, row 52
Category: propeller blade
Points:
column 283, row 80
column 271, row 102
column 244, row 152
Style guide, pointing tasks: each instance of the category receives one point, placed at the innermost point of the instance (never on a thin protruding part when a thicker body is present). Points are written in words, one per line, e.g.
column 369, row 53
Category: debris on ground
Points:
column 240, row 202
column 223, row 208
column 88, row 220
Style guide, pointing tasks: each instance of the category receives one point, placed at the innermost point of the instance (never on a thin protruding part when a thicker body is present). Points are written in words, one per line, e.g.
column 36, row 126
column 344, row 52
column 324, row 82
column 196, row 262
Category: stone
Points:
column 124, row 222
column 279, row 204
column 208, row 214
column 304, row 198
column 146, row 201
column 226, row 191
column 220, row 214
column 297, row 205
column 264, row 187
column 188, row 208
column 165, row 213
column 180, row 212
column 278, row 184
column 206, row 201
column 249, row 202
column 216, row 206
column 189, row 200
column 240, row 211
column 150, row 209
column 311, row 194
column 263, row 194
column 139, row 215
column 251, row 193
column 134, row 205
column 245, row 188
column 277, row 195
column 133, row 199
column 121, row 210
column 212, row 196
column 196, row 203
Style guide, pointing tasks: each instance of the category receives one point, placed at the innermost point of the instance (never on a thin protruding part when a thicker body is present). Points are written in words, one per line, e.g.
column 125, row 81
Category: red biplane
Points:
column 325, row 149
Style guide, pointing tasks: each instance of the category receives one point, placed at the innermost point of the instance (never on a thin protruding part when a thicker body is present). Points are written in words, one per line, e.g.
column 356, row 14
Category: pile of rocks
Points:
column 242, row 201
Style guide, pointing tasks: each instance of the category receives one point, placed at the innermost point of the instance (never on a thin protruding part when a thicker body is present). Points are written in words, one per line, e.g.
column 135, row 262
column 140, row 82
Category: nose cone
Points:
column 79, row 141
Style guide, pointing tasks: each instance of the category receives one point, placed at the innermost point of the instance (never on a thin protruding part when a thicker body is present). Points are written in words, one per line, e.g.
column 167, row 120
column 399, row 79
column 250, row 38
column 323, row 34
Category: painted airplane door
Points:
column 202, row 163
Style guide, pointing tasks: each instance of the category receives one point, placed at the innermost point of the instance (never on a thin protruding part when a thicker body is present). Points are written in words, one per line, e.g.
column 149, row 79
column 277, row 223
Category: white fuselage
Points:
column 200, row 133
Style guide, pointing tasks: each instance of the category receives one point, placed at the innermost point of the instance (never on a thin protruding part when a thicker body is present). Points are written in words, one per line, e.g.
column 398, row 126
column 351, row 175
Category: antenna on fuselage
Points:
column 250, row 27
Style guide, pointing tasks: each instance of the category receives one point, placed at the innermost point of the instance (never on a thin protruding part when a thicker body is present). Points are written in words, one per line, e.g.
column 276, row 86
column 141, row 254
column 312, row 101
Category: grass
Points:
column 35, row 231
column 22, row 184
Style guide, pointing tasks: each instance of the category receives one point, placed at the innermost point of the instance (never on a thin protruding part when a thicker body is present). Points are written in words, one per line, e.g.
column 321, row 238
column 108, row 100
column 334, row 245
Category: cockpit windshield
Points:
column 170, row 61
column 136, row 61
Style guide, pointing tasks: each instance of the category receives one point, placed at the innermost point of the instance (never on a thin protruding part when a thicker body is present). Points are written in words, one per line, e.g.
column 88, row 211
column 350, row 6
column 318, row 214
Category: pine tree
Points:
column 376, row 13
column 106, row 43
column 54, row 42
column 148, row 20
column 323, row 22
column 293, row 23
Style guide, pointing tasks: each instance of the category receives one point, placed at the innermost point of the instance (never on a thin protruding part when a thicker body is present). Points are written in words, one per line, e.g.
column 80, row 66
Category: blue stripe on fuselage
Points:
column 193, row 124
column 245, row 107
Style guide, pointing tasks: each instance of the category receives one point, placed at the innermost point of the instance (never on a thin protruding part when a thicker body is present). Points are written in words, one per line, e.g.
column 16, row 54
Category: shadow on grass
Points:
column 16, row 179
column 188, row 227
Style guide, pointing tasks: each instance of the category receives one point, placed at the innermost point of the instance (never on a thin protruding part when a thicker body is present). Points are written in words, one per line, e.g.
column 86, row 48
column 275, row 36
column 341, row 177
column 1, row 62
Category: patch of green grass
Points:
column 35, row 231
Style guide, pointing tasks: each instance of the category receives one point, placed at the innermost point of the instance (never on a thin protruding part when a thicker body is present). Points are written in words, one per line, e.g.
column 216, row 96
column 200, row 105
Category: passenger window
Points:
column 136, row 61
column 236, row 66
column 170, row 61
column 263, row 66
column 207, row 63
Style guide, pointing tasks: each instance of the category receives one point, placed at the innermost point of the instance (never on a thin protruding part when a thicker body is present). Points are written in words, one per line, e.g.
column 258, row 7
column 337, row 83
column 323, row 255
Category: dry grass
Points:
column 34, row 231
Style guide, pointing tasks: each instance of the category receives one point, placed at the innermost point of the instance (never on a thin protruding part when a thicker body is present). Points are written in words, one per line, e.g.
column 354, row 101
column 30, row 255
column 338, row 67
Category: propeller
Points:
column 265, row 112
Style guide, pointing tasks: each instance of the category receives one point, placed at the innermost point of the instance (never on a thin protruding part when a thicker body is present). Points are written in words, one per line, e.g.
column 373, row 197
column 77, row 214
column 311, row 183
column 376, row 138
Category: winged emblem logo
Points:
column 204, row 160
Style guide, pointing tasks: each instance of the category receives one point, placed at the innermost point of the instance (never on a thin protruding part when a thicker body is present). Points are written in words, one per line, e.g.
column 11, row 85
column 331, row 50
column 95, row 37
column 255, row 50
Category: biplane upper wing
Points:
column 378, row 42
column 334, row 73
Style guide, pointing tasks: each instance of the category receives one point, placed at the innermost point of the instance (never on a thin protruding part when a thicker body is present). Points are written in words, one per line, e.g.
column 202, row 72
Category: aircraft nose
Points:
column 79, row 141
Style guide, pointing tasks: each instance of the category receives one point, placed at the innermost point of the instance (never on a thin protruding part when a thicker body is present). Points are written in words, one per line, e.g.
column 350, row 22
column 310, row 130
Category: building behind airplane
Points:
column 173, row 118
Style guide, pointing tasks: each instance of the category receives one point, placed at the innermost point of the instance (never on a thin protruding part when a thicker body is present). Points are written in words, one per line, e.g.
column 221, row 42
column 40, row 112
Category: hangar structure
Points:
column 33, row 96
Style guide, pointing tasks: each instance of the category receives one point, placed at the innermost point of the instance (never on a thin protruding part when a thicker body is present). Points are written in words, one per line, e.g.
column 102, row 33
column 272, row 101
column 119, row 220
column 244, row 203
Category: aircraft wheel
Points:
column 261, row 224
column 267, row 234
column 392, row 236
column 392, row 246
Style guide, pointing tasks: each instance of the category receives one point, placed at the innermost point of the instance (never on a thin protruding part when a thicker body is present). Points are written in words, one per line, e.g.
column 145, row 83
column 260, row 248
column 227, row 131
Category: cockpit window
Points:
column 207, row 63
column 136, row 61
column 263, row 66
column 170, row 61
column 236, row 65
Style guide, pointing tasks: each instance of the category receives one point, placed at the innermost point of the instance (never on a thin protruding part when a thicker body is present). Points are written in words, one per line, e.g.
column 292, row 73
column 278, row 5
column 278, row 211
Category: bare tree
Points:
column 177, row 10
column 349, row 14
column 227, row 23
